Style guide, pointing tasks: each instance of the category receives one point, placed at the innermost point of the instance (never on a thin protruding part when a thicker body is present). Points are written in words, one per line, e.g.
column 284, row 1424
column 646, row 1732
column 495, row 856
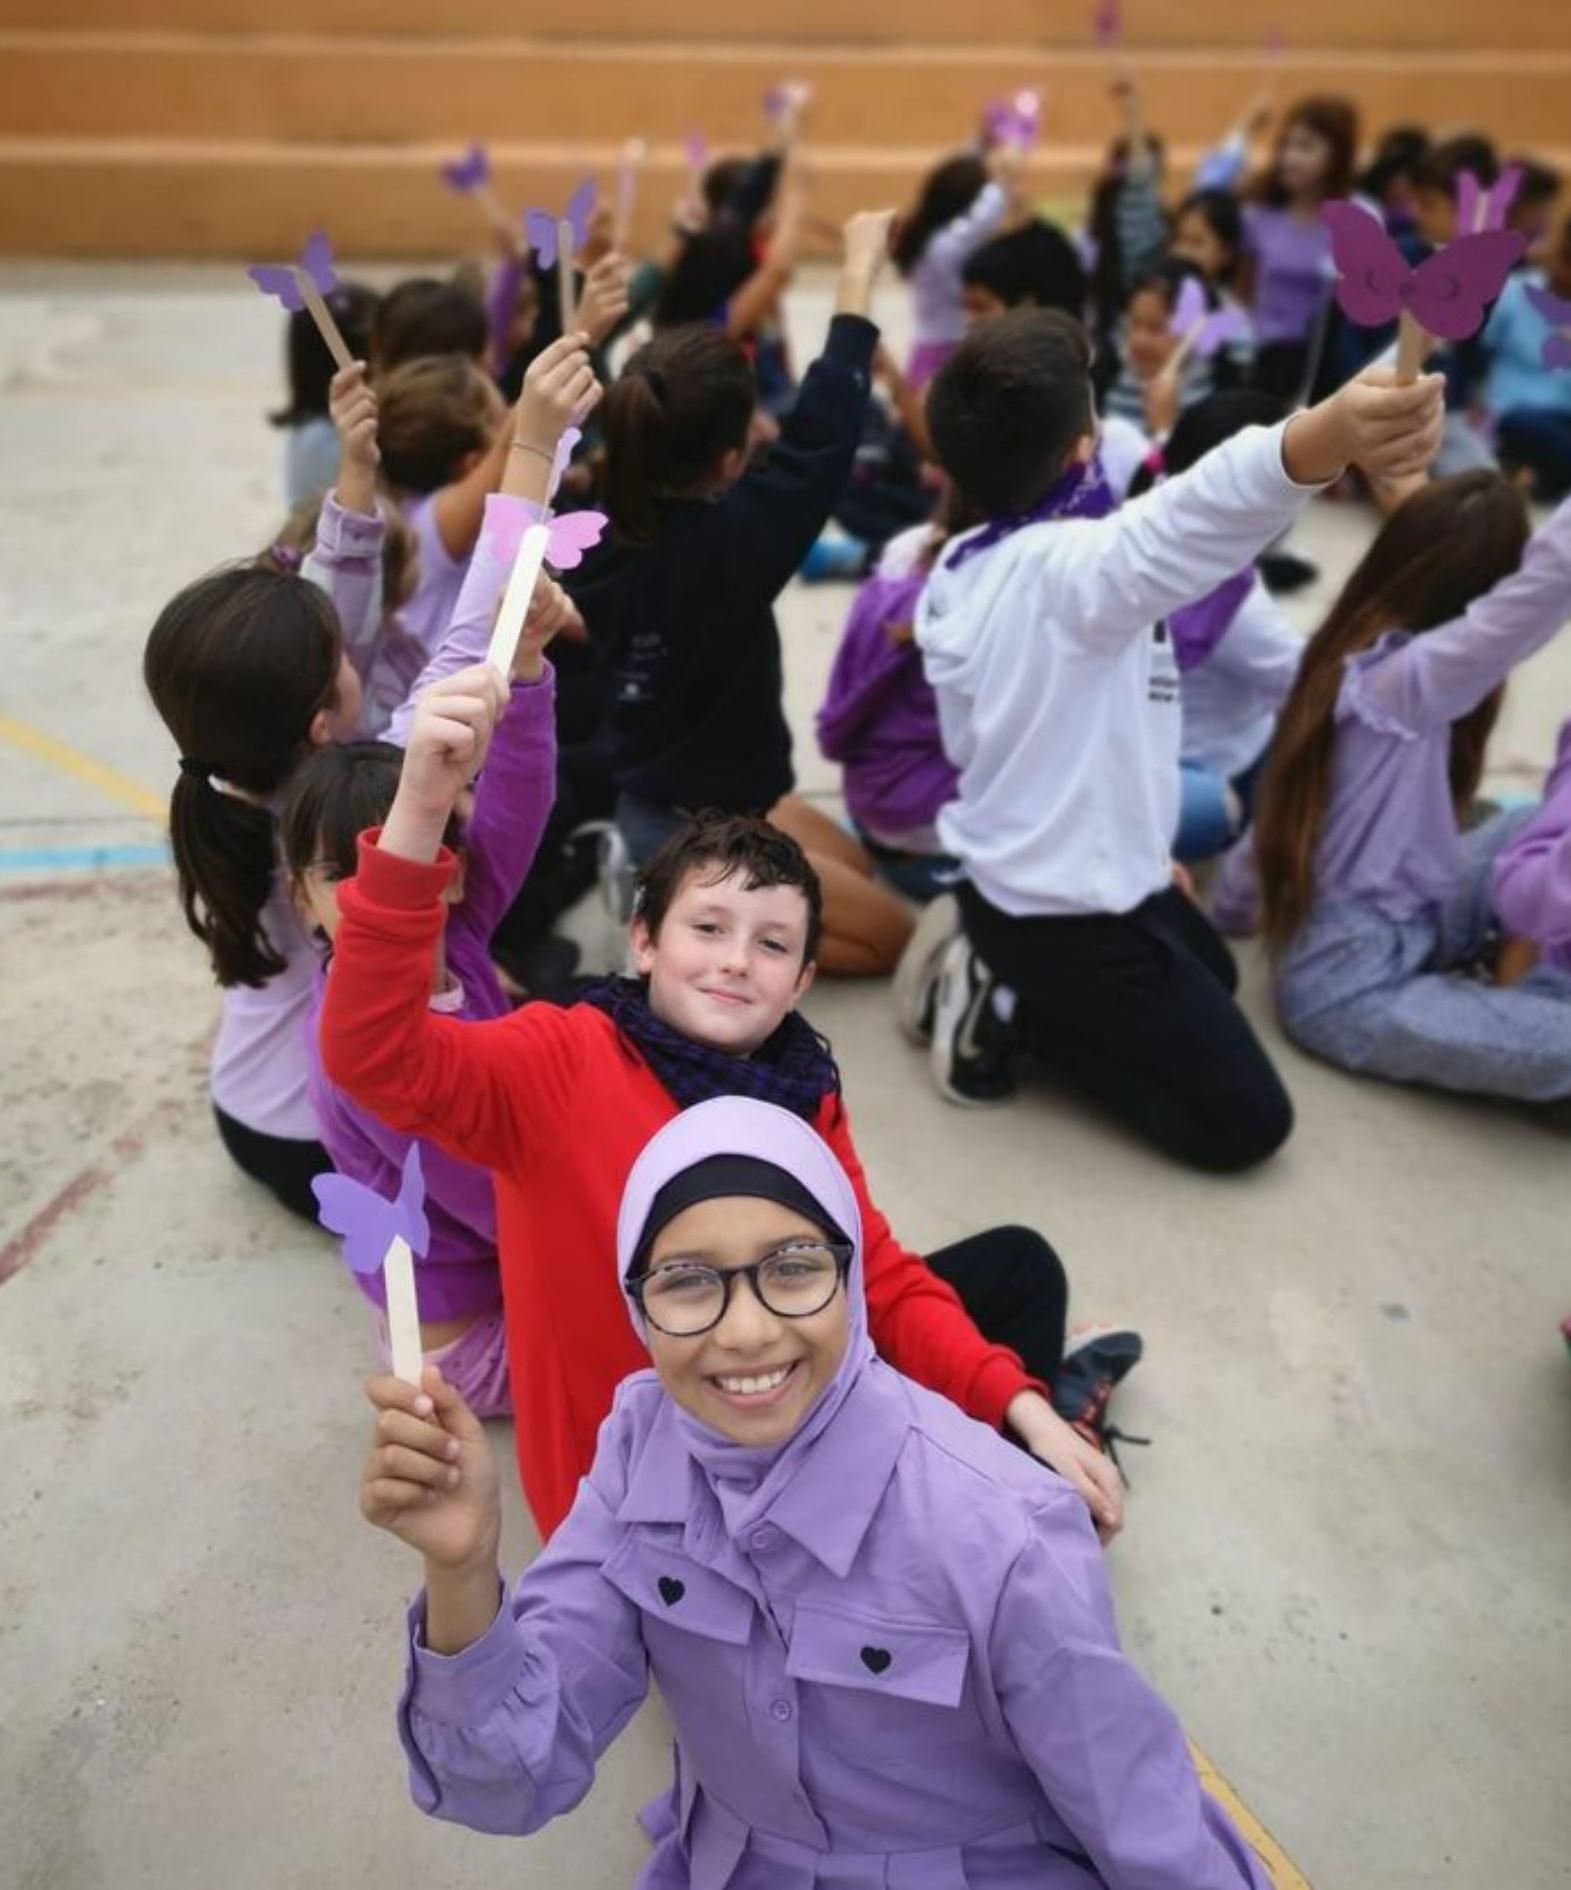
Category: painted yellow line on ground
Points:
column 1284, row 1873
column 110, row 781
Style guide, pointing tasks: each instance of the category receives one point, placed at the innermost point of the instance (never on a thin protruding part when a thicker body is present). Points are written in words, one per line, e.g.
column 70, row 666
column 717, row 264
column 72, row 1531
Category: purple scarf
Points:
column 1197, row 628
column 1082, row 492
column 792, row 1068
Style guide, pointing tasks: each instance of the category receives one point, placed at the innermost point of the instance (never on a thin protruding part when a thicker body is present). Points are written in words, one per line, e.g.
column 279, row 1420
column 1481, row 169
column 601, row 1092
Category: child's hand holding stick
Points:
column 430, row 1480
column 866, row 251
column 352, row 404
column 1388, row 428
column 452, row 728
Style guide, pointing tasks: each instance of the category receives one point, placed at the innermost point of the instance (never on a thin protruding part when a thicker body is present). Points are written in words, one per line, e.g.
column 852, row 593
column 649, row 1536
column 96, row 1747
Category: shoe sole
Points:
column 954, row 966
column 916, row 975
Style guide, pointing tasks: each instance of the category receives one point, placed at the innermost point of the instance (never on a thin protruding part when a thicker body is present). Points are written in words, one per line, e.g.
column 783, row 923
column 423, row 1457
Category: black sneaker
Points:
column 971, row 1046
column 1283, row 572
column 916, row 975
column 1094, row 1362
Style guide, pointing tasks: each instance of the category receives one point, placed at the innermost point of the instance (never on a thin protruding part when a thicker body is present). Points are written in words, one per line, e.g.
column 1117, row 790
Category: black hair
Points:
column 238, row 665
column 1009, row 404
column 1035, row 266
column 1168, row 277
column 1399, row 154
column 948, row 191
column 1223, row 215
column 1206, row 425
column 307, row 362
column 682, row 402
column 425, row 316
column 1444, row 163
column 334, row 796
column 725, row 846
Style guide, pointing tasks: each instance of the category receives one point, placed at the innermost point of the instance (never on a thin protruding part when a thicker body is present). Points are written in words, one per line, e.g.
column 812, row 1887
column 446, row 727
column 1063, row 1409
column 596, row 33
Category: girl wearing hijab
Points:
column 884, row 1637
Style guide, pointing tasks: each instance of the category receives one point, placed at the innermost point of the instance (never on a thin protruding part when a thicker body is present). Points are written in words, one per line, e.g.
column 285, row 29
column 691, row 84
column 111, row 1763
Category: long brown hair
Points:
column 1440, row 550
column 238, row 665
column 1336, row 121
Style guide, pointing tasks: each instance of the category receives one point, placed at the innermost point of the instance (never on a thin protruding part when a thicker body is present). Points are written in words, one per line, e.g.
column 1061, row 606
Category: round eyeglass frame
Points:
column 728, row 1276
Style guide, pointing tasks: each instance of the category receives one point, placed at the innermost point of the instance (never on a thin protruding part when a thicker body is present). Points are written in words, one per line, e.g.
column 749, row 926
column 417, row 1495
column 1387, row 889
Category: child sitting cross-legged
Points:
column 885, row 1640
column 558, row 1102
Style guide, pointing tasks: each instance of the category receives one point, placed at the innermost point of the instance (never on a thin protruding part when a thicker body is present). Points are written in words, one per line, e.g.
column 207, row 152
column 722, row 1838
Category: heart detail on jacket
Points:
column 671, row 1590
column 876, row 1659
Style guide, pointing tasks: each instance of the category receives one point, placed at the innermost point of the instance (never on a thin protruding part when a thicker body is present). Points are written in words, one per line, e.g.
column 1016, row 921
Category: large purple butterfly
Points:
column 368, row 1221
column 316, row 260
column 468, row 172
column 1448, row 293
column 541, row 224
column 1557, row 343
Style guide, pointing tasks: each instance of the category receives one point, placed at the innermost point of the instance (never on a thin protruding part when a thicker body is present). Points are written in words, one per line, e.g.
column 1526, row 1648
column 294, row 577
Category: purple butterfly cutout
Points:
column 1448, row 293
column 568, row 536
column 695, row 150
column 1107, row 23
column 1211, row 330
column 541, row 224
column 468, row 172
column 316, row 259
column 1189, row 310
column 1557, row 343
column 1474, row 203
column 368, row 1221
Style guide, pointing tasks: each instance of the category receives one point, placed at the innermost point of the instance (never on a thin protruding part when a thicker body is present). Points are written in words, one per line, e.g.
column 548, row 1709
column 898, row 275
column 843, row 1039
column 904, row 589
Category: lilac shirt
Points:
column 1390, row 836
column 879, row 717
column 428, row 613
column 258, row 1074
column 1532, row 882
column 1293, row 272
column 346, row 562
column 938, row 315
column 458, row 1275
column 907, row 1672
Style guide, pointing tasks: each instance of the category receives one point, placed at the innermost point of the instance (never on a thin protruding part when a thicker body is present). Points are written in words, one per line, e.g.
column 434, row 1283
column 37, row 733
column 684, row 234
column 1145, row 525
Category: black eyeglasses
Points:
column 683, row 1298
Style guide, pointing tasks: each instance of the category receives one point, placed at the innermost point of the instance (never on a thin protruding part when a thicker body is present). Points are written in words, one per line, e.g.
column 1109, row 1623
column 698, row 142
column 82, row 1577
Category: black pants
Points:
column 1137, row 1010
column 1013, row 1286
column 285, row 1167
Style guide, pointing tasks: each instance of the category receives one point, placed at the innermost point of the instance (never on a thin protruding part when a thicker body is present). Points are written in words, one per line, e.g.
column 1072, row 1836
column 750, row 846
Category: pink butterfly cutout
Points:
column 468, row 172
column 541, row 224
column 568, row 535
column 1471, row 199
column 316, row 260
column 368, row 1221
column 1557, row 343
column 1448, row 294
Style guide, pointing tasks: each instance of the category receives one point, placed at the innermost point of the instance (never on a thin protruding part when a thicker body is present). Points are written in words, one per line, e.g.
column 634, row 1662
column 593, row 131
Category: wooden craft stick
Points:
column 626, row 195
column 322, row 315
column 1412, row 345
column 492, row 207
column 403, row 1311
column 515, row 600
column 564, row 275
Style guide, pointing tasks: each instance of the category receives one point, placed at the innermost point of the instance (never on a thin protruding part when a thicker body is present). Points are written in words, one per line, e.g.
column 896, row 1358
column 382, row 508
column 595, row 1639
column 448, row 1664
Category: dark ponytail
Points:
column 238, row 665
column 680, row 405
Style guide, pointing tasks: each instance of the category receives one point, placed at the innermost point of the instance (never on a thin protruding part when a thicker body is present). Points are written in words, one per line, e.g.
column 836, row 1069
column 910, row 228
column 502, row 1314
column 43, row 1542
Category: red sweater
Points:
column 558, row 1105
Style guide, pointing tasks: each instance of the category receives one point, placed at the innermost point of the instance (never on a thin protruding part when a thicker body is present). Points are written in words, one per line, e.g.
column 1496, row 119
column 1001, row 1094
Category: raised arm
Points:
column 1532, row 876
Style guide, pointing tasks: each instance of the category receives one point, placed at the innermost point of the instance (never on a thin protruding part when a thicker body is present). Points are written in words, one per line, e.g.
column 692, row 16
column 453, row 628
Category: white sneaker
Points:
column 970, row 1050
column 916, row 975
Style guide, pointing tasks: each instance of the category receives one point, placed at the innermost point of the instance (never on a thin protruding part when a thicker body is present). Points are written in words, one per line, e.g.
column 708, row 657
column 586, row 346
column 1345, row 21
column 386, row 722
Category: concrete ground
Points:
column 1347, row 1555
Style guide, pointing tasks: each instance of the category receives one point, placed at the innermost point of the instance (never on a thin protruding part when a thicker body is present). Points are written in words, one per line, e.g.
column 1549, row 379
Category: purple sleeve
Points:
column 346, row 562
column 512, row 804
column 1107, row 1751
column 1427, row 681
column 468, row 633
column 1532, row 876
column 505, row 1736
column 868, row 664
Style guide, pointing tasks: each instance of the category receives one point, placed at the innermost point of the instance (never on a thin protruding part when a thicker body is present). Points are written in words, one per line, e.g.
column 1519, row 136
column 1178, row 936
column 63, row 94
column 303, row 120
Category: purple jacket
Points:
column 904, row 1671
column 880, row 719
column 1532, row 879
column 458, row 1275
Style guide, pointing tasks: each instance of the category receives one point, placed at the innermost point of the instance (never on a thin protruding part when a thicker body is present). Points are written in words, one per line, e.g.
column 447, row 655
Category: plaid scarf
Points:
column 792, row 1067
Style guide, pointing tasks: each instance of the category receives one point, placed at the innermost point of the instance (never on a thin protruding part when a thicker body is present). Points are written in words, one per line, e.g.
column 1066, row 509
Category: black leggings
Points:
column 285, row 1167
column 1137, row 1010
column 1013, row 1286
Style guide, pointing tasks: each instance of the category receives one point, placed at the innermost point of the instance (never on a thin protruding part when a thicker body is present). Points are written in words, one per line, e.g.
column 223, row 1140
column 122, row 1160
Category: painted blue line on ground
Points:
column 80, row 859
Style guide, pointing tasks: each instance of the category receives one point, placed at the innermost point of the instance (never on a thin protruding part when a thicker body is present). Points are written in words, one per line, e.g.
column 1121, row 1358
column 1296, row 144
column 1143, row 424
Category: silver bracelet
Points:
column 527, row 446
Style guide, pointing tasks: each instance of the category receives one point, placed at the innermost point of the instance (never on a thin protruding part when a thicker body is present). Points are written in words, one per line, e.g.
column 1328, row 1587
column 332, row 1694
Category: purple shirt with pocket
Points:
column 904, row 1672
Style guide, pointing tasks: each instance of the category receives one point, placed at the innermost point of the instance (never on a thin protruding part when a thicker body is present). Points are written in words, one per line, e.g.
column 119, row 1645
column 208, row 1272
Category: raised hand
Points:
column 604, row 300
column 429, row 1476
column 352, row 404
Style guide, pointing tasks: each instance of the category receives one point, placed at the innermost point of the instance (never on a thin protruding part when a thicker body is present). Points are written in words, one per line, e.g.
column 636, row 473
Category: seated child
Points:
column 1531, row 884
column 558, row 1102
column 885, row 1640
column 1032, row 266
column 424, row 316
column 1147, row 373
column 1375, row 901
column 1528, row 400
column 311, row 449
column 963, row 202
column 1042, row 634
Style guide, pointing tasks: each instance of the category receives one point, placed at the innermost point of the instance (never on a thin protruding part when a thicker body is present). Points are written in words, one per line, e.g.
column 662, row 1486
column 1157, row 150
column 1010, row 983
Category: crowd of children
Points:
column 858, row 1471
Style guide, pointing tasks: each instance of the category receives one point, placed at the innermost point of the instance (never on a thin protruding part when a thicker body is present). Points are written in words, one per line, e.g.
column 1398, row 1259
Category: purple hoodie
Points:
column 879, row 718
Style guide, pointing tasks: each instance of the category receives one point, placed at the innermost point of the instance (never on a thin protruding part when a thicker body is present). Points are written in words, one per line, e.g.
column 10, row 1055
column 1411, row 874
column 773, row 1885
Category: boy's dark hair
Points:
column 679, row 406
column 1007, row 407
column 310, row 367
column 334, row 796
column 1034, row 266
column 431, row 413
column 1539, row 184
column 727, row 846
column 1206, row 425
column 424, row 316
column 1399, row 154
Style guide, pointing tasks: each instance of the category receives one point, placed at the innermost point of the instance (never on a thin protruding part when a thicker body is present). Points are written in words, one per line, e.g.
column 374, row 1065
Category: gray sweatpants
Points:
column 1384, row 996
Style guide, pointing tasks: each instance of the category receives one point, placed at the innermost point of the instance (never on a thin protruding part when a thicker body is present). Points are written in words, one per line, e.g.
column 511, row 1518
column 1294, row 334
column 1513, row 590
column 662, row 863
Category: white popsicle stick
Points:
column 515, row 600
column 403, row 1311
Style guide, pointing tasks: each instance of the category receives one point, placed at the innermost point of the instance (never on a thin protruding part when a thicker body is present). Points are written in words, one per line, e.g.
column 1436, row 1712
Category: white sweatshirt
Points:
column 1057, row 691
